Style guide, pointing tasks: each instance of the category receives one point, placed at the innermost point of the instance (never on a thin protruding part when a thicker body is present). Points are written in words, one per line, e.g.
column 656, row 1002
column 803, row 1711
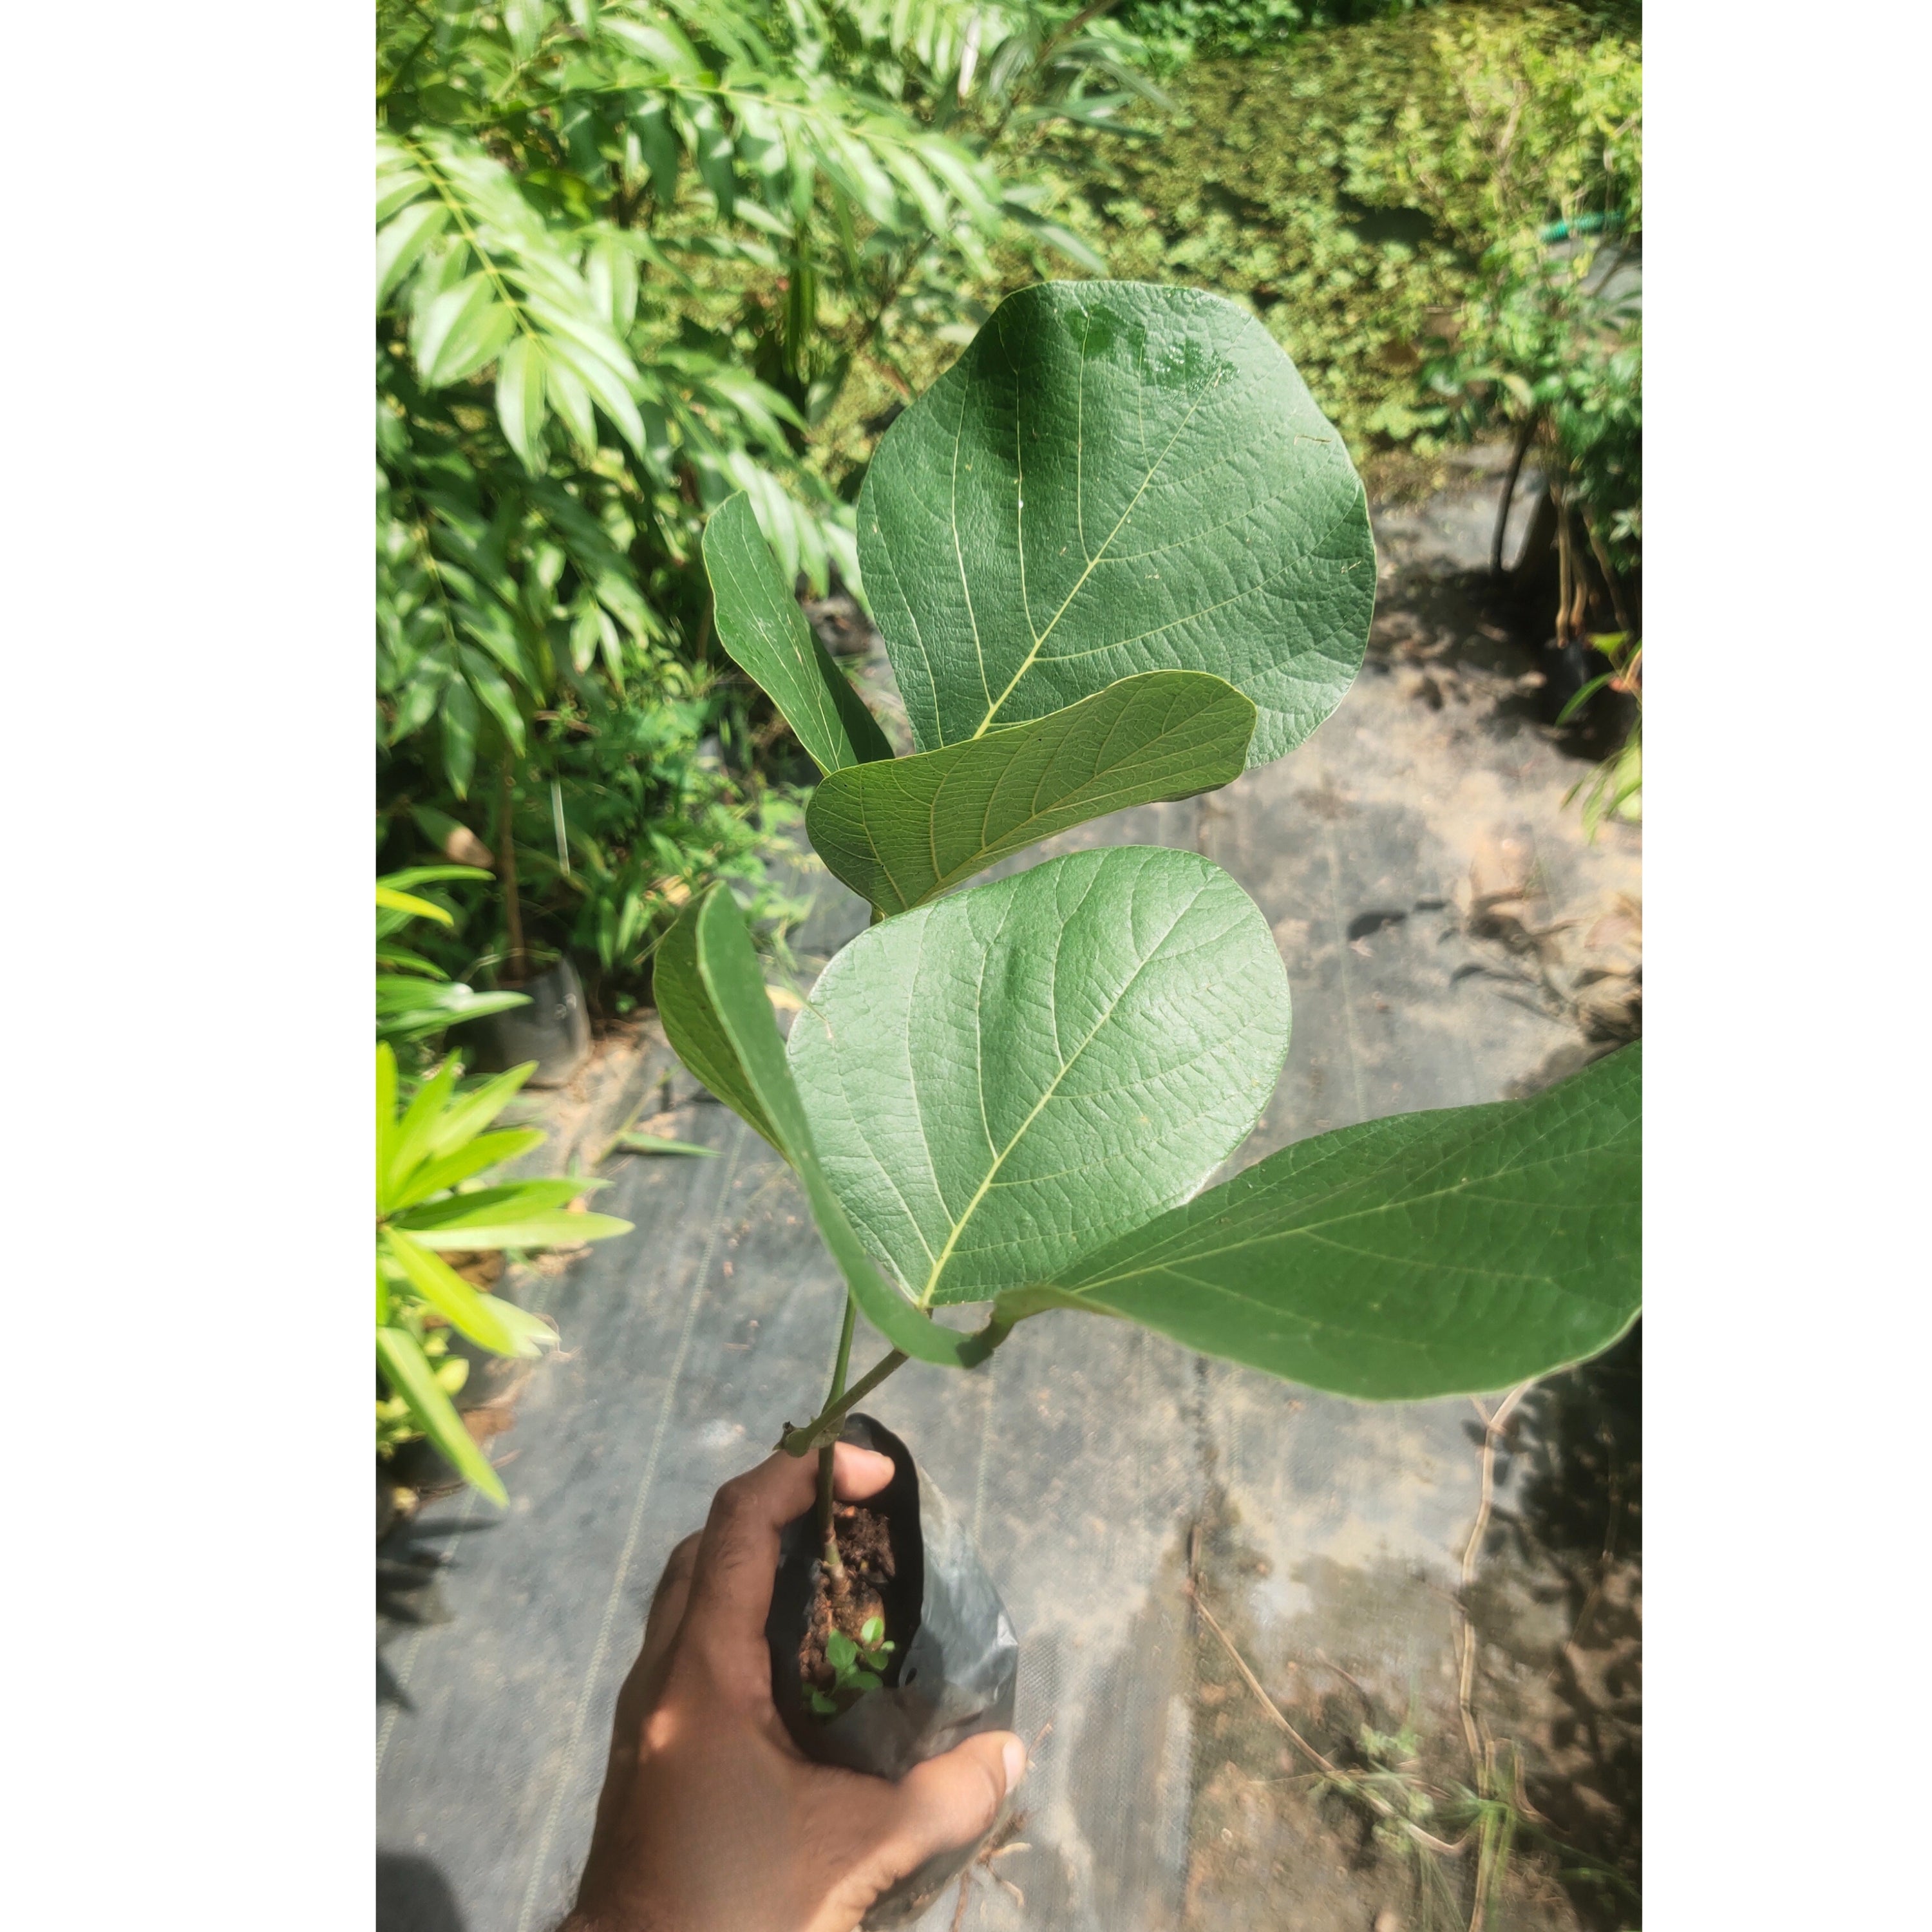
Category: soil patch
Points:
column 866, row 1549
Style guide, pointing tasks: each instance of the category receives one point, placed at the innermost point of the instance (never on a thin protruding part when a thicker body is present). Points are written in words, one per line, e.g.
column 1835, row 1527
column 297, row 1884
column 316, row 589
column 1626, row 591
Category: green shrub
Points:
column 1348, row 190
column 626, row 252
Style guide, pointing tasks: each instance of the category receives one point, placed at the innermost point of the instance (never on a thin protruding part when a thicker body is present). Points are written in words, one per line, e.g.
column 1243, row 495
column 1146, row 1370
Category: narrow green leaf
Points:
column 385, row 1106
column 899, row 831
column 1116, row 477
column 412, row 1144
column 462, row 329
column 511, row 1200
column 519, row 401
column 471, row 1113
column 487, row 1151
column 400, row 1357
column 760, row 625
column 1431, row 1254
column 556, row 1227
column 400, row 244
column 458, row 1301
column 1000, row 1082
column 652, row 1144
column 741, row 1016
column 392, row 900
column 407, row 1009
column 458, row 716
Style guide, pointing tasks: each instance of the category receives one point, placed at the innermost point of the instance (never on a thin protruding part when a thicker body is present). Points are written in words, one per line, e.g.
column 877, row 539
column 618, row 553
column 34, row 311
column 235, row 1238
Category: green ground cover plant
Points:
column 1012, row 1095
column 1364, row 191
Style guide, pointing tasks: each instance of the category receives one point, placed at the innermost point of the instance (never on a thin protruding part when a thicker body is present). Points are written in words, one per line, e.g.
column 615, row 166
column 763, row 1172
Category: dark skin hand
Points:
column 711, row 1819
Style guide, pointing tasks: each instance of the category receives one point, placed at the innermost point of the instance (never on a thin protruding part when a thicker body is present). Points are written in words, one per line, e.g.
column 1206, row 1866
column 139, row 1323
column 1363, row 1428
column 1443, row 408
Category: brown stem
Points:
column 1479, row 1757
column 1563, row 567
column 1523, row 438
column 1610, row 584
column 513, row 910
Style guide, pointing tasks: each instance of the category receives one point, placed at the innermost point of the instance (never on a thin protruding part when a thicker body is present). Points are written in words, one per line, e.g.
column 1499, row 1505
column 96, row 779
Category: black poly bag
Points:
column 951, row 1674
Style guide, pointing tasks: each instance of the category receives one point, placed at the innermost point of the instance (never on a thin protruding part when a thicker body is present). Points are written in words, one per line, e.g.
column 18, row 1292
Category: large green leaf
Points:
column 900, row 831
column 1116, row 477
column 759, row 624
column 1000, row 1082
column 407, row 1370
column 1431, row 1254
column 722, row 970
column 692, row 1024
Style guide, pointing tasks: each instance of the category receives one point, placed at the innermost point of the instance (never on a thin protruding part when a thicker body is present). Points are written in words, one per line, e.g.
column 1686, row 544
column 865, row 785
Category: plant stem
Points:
column 802, row 1442
column 828, row 1536
column 1516, row 455
column 513, row 911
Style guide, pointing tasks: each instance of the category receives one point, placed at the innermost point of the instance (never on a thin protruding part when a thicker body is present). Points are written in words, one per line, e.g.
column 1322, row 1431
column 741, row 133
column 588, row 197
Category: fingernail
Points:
column 1012, row 1757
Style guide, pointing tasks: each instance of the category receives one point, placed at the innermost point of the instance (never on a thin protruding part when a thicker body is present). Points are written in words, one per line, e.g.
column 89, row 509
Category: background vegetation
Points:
column 635, row 257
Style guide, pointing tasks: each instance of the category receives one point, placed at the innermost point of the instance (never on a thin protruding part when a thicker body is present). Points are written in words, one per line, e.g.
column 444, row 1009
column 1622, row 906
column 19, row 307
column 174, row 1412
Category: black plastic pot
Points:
column 553, row 1029
column 953, row 1674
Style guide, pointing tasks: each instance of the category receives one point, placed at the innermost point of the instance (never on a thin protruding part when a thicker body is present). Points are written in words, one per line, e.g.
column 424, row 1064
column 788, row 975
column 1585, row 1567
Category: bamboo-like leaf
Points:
column 508, row 1201
column 458, row 1302
column 1431, row 1254
column 486, row 1151
column 554, row 1228
column 390, row 900
column 900, row 831
column 470, row 1113
column 1116, row 477
column 411, row 1145
column 760, row 625
column 655, row 1143
column 400, row 1357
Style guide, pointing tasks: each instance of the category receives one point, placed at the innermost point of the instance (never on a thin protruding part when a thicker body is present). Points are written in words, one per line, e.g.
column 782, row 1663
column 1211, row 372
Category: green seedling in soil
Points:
column 858, row 1665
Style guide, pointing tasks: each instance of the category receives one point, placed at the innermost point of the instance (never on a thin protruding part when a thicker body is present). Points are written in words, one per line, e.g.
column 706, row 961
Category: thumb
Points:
column 949, row 1801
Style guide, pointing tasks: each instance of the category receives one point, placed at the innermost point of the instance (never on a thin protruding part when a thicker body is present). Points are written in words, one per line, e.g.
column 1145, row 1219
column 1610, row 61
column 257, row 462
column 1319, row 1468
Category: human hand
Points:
column 711, row 1819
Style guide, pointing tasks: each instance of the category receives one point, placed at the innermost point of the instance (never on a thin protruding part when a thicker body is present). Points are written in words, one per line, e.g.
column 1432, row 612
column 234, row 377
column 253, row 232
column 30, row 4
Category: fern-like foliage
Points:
column 607, row 235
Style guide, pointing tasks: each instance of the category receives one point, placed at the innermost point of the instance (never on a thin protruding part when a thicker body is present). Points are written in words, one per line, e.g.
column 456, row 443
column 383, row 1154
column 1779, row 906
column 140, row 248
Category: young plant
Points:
column 433, row 1199
column 1117, row 555
column 857, row 1664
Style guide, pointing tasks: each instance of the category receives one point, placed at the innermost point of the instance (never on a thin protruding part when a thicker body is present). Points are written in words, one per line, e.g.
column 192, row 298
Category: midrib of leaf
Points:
column 1153, row 1264
column 454, row 203
column 1053, row 1087
column 1019, row 527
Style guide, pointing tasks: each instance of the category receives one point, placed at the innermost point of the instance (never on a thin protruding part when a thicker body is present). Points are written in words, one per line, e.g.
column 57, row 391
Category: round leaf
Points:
column 1116, row 477
column 1001, row 1080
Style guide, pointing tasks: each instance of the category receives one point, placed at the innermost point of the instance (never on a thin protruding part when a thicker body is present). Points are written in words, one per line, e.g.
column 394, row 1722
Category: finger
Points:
column 738, row 1556
column 667, row 1610
column 644, row 1681
column 950, row 1801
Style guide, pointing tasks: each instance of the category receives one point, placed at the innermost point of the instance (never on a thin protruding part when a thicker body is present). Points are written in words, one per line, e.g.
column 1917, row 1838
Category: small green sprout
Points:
column 855, row 1666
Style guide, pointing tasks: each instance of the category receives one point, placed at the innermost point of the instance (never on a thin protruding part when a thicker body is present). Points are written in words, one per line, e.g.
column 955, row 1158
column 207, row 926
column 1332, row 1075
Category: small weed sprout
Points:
column 857, row 1666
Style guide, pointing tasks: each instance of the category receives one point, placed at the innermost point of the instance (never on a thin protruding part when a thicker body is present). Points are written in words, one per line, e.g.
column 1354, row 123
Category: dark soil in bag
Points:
column 952, row 1671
